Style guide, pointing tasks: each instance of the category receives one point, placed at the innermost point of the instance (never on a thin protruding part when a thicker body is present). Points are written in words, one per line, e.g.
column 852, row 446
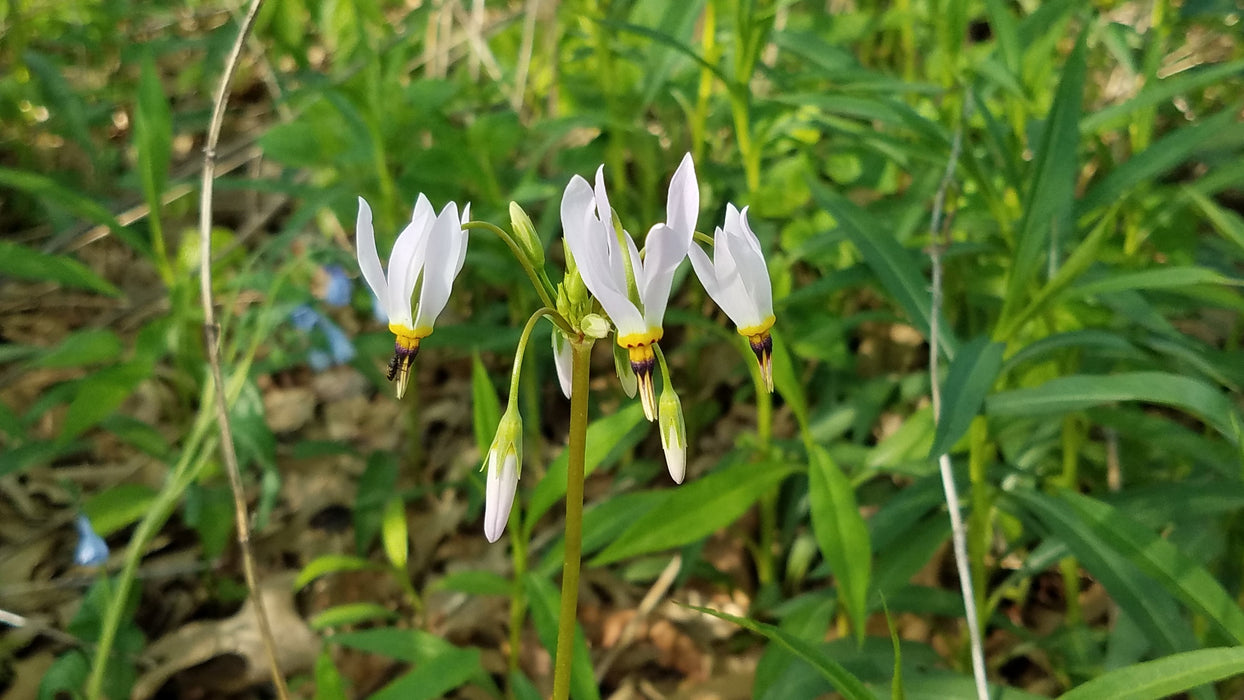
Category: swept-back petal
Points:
column 752, row 267
column 666, row 248
column 682, row 204
column 733, row 297
column 369, row 259
column 595, row 252
column 406, row 262
column 440, row 266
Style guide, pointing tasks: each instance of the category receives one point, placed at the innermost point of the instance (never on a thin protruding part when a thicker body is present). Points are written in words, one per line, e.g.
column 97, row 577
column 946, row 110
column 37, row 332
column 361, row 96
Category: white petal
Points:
column 753, row 268
column 617, row 265
column 595, row 252
column 666, row 248
column 440, row 266
column 563, row 360
column 675, row 458
column 682, row 205
column 499, row 491
column 406, row 261
column 369, row 259
column 732, row 296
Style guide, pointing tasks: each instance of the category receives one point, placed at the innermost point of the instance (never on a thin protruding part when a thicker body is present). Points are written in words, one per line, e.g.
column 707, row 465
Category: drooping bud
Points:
column 505, row 461
column 594, row 326
column 673, row 435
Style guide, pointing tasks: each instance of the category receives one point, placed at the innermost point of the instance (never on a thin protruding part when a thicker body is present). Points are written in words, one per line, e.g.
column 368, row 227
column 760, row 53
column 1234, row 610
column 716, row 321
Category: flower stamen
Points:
column 405, row 349
column 762, row 344
column 643, row 362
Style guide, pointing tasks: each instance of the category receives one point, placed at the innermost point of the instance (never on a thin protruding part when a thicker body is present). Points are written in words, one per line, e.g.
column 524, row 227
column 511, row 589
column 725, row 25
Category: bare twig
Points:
column 649, row 603
column 211, row 332
column 958, row 532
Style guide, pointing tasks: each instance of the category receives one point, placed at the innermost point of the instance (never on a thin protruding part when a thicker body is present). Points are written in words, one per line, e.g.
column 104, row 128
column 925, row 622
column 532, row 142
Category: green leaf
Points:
column 1146, row 603
column 1163, row 677
column 29, row 264
column 971, row 376
column 1160, row 157
column 841, row 534
column 1228, row 222
column 475, row 582
column 393, row 532
column 1159, row 92
column 153, row 134
column 118, row 506
column 1081, row 391
column 894, row 265
column 329, row 684
column 374, row 489
column 787, row 382
column 100, row 394
column 485, row 408
column 1050, row 199
column 1172, row 277
column 695, row 510
column 49, row 191
column 607, row 438
column 1183, row 577
column 332, row 564
column 545, row 603
column 350, row 614
column 439, row 665
column 848, row 685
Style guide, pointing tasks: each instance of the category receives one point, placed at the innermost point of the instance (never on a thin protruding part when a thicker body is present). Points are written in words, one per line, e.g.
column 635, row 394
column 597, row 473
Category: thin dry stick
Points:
column 211, row 333
column 958, row 533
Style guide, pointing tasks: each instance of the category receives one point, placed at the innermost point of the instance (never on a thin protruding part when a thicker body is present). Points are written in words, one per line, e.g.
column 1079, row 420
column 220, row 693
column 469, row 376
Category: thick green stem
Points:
column 518, row 601
column 581, row 353
column 699, row 118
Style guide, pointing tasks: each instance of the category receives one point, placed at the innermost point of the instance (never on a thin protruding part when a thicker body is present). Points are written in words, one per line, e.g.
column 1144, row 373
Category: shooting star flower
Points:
column 429, row 254
column 737, row 278
column 632, row 291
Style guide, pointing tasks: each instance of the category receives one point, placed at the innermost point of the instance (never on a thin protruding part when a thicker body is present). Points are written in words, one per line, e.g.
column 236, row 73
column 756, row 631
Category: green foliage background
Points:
column 1089, row 331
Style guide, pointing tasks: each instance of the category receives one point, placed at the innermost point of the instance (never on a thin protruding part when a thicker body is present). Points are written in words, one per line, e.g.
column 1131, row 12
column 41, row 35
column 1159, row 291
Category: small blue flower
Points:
column 304, row 317
column 92, row 550
column 337, row 292
column 340, row 349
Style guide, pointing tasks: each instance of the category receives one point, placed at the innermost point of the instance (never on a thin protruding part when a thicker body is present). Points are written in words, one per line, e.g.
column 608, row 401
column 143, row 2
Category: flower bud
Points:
column 594, row 326
column 525, row 234
column 673, row 435
column 505, row 460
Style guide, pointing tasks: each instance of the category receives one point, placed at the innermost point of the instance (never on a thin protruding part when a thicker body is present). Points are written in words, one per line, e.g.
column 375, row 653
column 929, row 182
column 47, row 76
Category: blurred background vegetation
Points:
column 1090, row 249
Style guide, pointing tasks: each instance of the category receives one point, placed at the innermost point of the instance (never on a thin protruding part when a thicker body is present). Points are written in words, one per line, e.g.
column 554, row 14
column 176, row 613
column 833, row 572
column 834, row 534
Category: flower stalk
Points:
column 581, row 353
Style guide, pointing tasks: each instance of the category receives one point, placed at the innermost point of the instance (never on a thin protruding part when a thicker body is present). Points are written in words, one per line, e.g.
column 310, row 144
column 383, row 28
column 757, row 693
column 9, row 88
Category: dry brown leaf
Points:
column 228, row 655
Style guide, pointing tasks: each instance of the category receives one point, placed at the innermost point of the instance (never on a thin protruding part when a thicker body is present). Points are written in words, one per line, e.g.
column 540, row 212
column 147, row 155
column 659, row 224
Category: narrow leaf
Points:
column 894, row 265
column 696, row 510
column 841, row 534
column 848, row 685
column 1049, row 201
column 1082, row 391
column 1163, row 677
column 972, row 374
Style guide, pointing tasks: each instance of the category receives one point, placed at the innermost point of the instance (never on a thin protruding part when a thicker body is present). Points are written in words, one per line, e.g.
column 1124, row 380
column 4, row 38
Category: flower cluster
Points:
column 605, row 267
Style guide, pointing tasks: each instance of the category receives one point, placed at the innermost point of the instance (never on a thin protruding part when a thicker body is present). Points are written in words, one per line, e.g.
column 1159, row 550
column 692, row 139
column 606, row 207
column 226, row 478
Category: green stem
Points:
column 699, row 118
column 539, row 280
column 581, row 353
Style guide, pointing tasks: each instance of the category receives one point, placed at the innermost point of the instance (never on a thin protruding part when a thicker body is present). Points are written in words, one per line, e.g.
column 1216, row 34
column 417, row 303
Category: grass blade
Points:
column 1163, row 677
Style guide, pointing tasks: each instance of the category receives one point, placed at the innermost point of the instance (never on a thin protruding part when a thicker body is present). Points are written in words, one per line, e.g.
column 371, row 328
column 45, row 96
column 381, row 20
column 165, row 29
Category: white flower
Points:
column 505, row 459
column 737, row 278
column 633, row 292
column 429, row 252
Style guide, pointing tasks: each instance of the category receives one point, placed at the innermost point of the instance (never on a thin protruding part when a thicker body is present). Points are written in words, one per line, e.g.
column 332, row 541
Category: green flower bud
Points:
column 525, row 234
column 673, row 435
